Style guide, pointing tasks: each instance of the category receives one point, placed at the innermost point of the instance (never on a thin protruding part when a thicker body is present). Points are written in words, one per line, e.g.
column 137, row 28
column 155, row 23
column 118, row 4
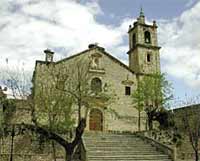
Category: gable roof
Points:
column 100, row 49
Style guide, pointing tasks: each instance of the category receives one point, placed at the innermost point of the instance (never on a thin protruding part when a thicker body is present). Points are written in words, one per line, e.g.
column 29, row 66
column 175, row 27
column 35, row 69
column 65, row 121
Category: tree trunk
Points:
column 150, row 123
column 150, row 120
column 79, row 110
column 139, row 121
column 196, row 155
column 12, row 143
column 54, row 150
column 69, row 158
column 69, row 153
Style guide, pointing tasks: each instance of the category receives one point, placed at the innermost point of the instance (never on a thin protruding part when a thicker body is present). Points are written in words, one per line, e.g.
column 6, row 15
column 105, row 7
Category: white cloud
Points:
column 94, row 8
column 180, row 39
column 32, row 26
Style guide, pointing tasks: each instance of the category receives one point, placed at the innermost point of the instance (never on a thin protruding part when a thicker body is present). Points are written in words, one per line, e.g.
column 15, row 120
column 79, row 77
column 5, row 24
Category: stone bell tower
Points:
column 144, row 57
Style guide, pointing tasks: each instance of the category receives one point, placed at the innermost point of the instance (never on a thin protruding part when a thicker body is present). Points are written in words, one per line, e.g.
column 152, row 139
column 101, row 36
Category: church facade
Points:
column 107, row 71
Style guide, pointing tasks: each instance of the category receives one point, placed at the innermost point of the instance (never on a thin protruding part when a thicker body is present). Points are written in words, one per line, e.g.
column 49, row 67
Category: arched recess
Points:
column 96, row 85
column 147, row 37
column 96, row 120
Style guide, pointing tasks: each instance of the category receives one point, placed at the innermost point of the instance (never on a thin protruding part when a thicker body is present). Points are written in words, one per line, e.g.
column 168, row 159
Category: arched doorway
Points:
column 96, row 120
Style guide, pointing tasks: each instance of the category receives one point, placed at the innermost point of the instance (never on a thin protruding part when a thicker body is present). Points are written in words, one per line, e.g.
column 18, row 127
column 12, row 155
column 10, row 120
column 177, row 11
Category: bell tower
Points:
column 144, row 56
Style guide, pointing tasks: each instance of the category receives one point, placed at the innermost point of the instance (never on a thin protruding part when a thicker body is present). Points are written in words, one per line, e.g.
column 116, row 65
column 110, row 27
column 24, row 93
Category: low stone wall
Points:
column 25, row 157
column 30, row 148
column 25, row 148
column 164, row 141
column 156, row 141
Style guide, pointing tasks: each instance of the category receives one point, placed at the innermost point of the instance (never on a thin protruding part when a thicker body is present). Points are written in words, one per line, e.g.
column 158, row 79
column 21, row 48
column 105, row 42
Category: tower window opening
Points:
column 134, row 40
column 127, row 90
column 147, row 37
column 148, row 57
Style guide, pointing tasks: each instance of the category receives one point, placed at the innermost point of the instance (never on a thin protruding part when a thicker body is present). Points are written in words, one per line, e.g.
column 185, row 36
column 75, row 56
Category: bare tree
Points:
column 50, row 108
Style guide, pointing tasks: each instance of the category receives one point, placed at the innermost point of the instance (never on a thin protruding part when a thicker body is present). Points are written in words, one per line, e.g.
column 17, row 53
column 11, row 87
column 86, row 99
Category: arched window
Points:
column 134, row 40
column 96, row 85
column 147, row 37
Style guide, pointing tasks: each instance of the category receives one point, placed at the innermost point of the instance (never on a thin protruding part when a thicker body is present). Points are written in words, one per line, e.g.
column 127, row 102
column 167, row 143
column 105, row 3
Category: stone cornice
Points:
column 149, row 46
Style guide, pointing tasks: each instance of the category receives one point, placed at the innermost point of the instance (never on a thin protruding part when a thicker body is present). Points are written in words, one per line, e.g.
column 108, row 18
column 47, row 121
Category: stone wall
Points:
column 27, row 148
column 192, row 112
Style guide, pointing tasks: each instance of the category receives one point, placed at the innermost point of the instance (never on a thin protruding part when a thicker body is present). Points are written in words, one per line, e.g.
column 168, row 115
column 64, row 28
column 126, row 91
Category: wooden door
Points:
column 96, row 120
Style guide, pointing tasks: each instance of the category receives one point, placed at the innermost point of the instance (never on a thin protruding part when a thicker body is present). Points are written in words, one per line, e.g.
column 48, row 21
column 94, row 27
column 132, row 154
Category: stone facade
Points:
column 121, row 79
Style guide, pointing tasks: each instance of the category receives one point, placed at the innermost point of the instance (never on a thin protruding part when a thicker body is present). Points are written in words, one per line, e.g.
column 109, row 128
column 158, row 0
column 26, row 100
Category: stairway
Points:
column 120, row 147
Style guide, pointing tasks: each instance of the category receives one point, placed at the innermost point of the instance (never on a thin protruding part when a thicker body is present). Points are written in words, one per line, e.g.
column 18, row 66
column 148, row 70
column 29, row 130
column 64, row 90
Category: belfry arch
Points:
column 147, row 37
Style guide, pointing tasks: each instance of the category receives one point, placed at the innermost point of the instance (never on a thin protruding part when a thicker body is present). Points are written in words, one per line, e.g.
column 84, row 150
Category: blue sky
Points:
column 154, row 9
column 68, row 26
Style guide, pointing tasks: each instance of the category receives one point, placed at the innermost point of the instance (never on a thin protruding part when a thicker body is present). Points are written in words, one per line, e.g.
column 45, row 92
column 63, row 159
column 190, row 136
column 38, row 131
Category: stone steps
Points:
column 120, row 147
column 129, row 157
column 120, row 152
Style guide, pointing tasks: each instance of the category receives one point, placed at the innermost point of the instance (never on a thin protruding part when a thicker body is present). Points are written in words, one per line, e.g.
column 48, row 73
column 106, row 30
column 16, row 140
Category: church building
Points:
column 106, row 70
